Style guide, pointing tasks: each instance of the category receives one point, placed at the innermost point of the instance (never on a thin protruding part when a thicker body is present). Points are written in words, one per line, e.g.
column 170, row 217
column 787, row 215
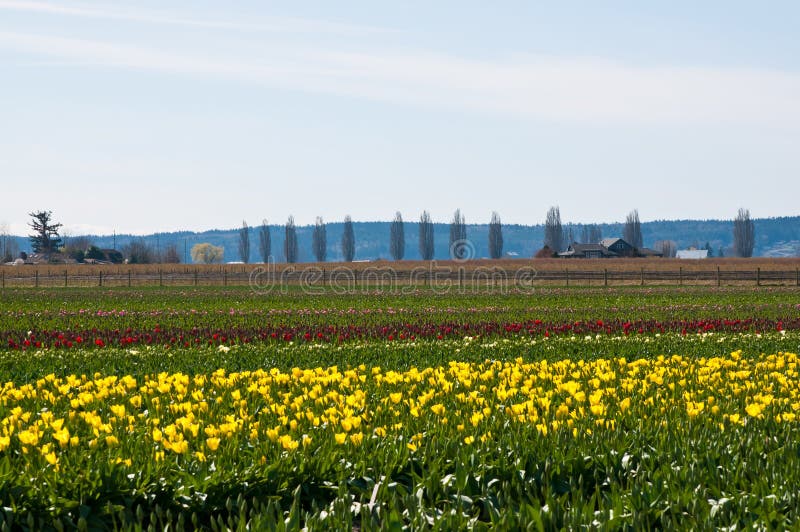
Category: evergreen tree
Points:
column 45, row 238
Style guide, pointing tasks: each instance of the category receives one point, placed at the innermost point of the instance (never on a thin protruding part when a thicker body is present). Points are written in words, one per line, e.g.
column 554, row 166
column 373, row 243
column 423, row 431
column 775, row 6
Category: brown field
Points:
column 484, row 272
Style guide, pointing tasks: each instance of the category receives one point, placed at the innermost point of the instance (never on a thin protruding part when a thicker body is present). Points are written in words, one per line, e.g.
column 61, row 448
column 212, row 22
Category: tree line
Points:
column 556, row 239
column 397, row 239
column 47, row 240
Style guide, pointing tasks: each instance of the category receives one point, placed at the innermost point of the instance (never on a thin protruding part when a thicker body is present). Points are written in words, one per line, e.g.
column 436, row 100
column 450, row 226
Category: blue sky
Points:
column 162, row 116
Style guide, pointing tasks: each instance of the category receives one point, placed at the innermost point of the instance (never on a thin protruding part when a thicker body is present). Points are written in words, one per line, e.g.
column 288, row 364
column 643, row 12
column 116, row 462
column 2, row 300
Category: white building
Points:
column 692, row 254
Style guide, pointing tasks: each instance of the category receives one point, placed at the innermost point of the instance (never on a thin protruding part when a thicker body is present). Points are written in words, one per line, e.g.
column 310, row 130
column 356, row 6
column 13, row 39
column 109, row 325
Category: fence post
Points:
column 718, row 277
column 129, row 278
column 566, row 275
column 4, row 279
column 796, row 277
column 758, row 276
column 36, row 277
column 195, row 277
column 605, row 276
column 101, row 278
column 642, row 276
column 680, row 275
column 65, row 278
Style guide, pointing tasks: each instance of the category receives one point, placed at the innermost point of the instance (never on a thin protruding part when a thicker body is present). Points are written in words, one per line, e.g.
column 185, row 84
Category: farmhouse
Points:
column 587, row 251
column 606, row 248
column 618, row 246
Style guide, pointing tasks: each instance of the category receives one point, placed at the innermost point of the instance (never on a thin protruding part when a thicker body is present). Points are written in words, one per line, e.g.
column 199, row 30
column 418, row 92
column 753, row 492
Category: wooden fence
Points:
column 340, row 277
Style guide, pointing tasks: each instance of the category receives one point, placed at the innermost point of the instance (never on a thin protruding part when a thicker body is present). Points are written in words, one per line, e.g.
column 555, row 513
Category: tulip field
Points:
column 221, row 408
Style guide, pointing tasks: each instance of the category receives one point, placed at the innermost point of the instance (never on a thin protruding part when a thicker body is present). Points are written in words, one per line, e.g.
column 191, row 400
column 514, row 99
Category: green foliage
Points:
column 78, row 255
column 659, row 467
column 95, row 253
column 45, row 238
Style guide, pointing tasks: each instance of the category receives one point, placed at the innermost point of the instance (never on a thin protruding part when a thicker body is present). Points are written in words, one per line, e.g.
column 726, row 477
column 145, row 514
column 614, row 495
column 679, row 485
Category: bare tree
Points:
column 244, row 243
column 319, row 240
column 171, row 255
column 77, row 246
column 397, row 237
column 348, row 240
column 595, row 234
column 632, row 232
column 553, row 232
column 744, row 234
column 8, row 244
column 495, row 237
column 45, row 238
column 426, row 236
column 264, row 242
column 290, row 241
column 458, row 236
column 570, row 239
column 138, row 251
column 668, row 248
column 591, row 234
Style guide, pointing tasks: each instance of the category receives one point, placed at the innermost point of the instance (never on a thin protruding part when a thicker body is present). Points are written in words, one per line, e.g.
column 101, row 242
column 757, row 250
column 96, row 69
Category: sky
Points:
column 141, row 117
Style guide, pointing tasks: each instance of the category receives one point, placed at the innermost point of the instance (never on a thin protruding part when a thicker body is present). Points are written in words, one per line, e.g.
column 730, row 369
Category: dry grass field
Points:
column 592, row 272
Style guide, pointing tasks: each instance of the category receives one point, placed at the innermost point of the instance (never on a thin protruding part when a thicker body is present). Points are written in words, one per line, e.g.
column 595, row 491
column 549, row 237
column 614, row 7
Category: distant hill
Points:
column 775, row 237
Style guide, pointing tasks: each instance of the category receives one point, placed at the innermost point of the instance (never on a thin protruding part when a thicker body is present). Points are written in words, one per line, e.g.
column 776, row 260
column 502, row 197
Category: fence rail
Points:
column 17, row 277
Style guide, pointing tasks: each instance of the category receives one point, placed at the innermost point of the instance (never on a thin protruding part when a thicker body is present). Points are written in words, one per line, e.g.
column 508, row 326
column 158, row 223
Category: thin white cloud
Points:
column 260, row 24
column 575, row 89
